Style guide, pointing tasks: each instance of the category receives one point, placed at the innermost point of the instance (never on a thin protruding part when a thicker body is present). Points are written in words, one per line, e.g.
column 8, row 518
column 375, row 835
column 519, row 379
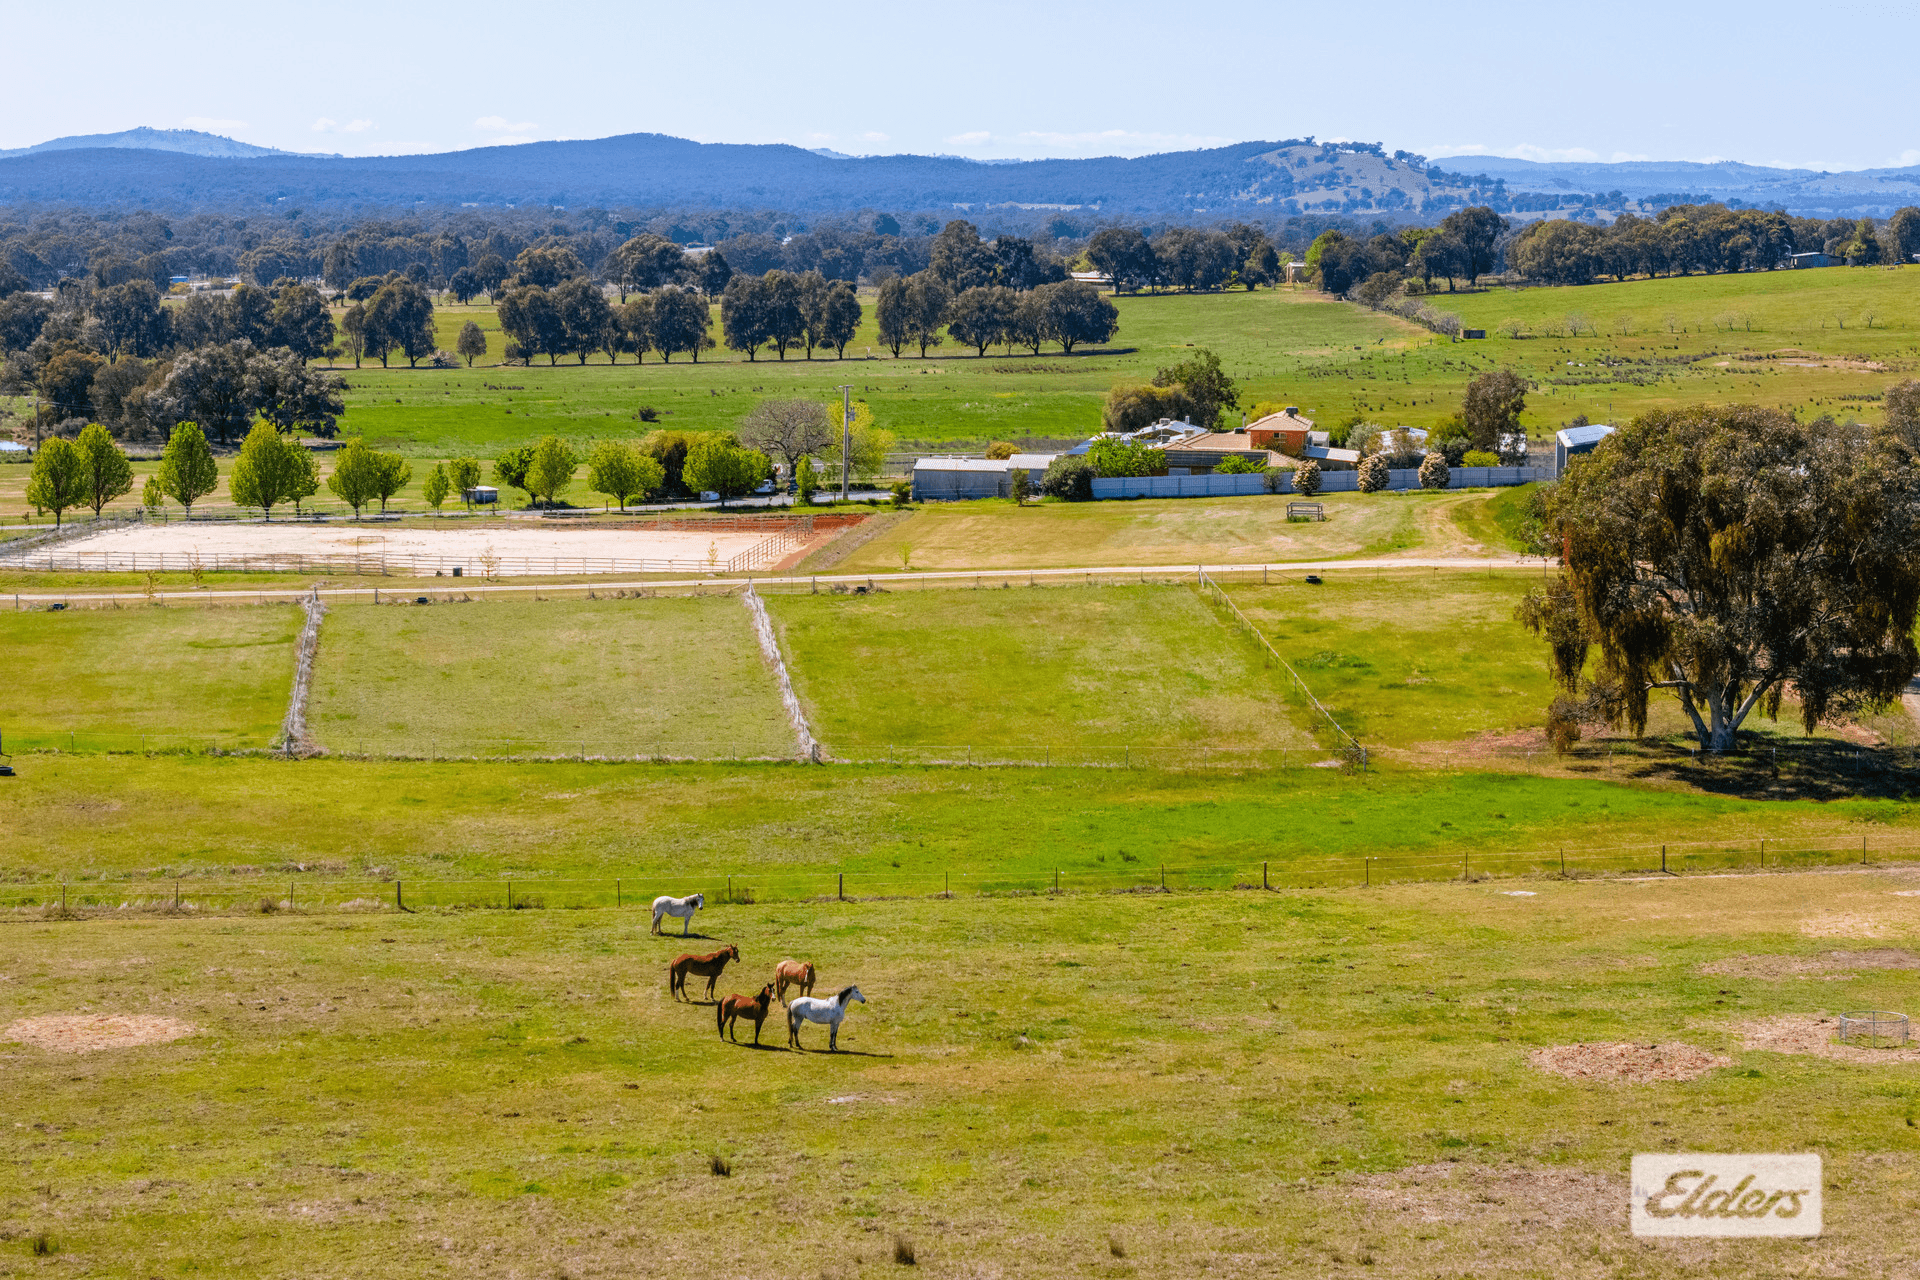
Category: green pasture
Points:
column 1410, row 656
column 885, row 826
column 1825, row 340
column 1174, row 532
column 617, row 677
column 1264, row 337
column 1290, row 1084
column 177, row 675
column 1026, row 667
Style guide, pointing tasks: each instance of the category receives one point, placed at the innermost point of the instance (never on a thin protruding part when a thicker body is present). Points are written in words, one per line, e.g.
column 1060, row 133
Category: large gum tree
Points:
column 1732, row 557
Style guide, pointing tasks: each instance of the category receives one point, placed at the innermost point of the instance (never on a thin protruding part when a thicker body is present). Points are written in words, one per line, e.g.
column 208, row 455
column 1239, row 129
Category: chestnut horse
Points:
column 754, row 1007
column 793, row 973
column 707, row 967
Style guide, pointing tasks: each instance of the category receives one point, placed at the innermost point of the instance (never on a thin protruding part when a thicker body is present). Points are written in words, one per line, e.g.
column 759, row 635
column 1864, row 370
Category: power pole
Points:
column 846, row 439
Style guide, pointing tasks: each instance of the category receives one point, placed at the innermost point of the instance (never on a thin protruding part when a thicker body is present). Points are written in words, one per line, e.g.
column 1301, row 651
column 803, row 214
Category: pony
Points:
column 754, row 1007
column 793, row 973
column 682, row 907
column 707, row 967
column 816, row 1009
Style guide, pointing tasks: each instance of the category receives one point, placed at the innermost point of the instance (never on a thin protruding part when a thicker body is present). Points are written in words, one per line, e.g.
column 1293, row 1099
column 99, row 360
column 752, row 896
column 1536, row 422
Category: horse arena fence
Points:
column 299, row 890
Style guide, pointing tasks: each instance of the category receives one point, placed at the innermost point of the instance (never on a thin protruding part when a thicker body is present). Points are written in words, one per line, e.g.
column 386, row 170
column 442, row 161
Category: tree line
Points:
column 116, row 355
column 1682, row 239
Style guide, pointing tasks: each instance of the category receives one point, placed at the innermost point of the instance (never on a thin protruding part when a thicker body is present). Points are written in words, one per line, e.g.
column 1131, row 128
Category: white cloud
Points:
column 1040, row 143
column 506, row 132
column 873, row 136
column 326, row 124
column 1529, row 151
column 210, row 124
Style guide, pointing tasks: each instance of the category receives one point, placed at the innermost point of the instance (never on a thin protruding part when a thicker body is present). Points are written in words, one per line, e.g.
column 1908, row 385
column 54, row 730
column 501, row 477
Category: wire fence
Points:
column 773, row 748
column 1346, row 743
column 298, row 891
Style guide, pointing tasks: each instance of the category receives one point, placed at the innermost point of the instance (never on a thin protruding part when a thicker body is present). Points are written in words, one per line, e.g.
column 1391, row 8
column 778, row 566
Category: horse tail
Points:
column 719, row 1017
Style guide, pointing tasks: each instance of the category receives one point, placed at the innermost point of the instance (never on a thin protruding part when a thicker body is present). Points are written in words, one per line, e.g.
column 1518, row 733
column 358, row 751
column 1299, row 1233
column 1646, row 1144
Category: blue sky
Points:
column 1760, row 82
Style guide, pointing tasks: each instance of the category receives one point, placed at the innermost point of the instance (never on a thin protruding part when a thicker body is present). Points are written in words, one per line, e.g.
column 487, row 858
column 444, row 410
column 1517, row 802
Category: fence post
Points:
column 616, row 891
column 1263, row 876
column 1863, row 851
column 1763, row 853
column 1163, row 875
column 843, row 886
column 509, row 893
column 290, row 885
column 1663, row 860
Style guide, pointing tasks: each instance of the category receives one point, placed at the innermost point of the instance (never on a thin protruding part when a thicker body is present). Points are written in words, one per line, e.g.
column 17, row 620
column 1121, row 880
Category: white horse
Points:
column 821, row 1009
column 682, row 907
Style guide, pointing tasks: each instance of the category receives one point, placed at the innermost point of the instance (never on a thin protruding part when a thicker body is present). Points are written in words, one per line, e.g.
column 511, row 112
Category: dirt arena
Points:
column 497, row 550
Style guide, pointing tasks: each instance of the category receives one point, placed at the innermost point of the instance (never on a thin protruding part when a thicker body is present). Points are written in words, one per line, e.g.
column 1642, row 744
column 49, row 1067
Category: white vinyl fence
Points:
column 1217, row 486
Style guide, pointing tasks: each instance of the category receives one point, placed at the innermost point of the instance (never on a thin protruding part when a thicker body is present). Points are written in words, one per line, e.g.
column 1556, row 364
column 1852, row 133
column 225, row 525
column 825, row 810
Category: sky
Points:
column 1630, row 80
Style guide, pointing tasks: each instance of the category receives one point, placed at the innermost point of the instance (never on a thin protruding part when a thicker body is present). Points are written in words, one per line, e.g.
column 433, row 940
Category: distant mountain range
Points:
column 189, row 142
column 177, row 168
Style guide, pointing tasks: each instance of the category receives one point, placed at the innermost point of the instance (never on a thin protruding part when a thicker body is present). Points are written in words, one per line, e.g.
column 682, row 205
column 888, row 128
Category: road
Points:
column 1108, row 573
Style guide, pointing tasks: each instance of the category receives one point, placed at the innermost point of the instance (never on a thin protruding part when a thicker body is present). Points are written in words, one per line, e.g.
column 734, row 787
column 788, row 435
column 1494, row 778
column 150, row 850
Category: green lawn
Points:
column 179, row 675
column 613, row 677
column 1304, row 1084
column 1028, row 668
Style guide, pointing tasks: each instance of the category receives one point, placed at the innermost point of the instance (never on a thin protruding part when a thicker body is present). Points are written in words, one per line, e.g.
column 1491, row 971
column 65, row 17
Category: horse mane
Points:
column 842, row 997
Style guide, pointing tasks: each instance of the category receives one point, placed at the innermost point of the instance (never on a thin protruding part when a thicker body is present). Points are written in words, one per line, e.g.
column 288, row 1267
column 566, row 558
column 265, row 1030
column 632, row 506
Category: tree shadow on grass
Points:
column 1805, row 769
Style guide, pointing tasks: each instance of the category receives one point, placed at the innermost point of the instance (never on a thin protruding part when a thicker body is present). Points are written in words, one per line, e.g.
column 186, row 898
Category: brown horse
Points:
column 754, row 1007
column 707, row 967
column 793, row 973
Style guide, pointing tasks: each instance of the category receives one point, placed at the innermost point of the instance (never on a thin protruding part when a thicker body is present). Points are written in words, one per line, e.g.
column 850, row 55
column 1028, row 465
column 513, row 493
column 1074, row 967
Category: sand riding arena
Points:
column 499, row 548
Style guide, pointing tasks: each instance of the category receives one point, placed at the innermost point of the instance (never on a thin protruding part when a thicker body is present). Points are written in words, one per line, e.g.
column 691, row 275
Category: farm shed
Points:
column 1571, row 442
column 953, row 479
column 480, row 493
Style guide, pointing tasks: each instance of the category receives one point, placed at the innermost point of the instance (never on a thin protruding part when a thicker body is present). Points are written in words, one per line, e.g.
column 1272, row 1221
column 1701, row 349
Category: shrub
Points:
column 901, row 492
column 1480, row 458
column 443, row 360
column 1000, row 450
column 1240, row 467
column 1433, row 471
column 1068, row 478
column 1119, row 458
column 1373, row 474
column 1306, row 479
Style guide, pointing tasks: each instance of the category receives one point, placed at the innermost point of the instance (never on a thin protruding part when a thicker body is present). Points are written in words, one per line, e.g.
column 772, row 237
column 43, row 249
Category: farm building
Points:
column 1571, row 442
column 953, row 479
column 480, row 493
column 1808, row 260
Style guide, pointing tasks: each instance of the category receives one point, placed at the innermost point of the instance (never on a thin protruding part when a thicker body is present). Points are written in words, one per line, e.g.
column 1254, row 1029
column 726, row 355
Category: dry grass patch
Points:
column 1841, row 924
column 1511, row 1198
column 89, row 1032
column 1832, row 966
column 1626, row 1063
column 1812, row 1035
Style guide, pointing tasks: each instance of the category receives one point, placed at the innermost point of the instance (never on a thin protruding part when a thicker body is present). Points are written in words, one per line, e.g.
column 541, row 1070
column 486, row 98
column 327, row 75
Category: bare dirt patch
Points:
column 1520, row 1196
column 1627, row 1063
column 1812, row 1035
column 1841, row 924
column 87, row 1032
column 1830, row 966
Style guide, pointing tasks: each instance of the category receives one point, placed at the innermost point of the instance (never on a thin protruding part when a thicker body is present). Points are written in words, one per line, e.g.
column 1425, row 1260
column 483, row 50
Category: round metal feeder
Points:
column 1874, row 1029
